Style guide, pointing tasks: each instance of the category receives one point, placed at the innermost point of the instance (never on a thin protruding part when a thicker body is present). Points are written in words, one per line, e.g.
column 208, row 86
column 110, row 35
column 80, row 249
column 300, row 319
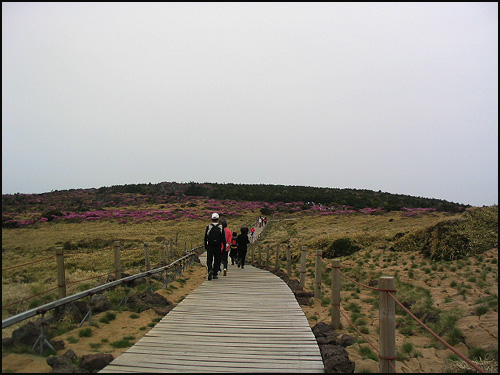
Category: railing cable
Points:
column 437, row 337
column 25, row 264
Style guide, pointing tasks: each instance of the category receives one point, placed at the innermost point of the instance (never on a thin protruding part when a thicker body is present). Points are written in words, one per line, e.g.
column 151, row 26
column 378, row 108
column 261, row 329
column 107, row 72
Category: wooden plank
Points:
column 156, row 361
column 248, row 321
column 185, row 351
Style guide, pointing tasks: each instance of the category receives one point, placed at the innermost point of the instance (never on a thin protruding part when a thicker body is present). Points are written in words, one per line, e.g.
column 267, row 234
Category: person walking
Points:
column 215, row 240
column 225, row 249
column 233, row 254
column 242, row 241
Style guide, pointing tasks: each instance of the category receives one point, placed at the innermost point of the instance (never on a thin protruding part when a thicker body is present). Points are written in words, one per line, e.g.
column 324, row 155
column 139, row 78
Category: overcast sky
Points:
column 398, row 97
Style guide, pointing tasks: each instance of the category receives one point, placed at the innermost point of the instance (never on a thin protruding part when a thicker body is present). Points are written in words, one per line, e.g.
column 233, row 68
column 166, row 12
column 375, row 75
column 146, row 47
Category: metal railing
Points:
column 89, row 292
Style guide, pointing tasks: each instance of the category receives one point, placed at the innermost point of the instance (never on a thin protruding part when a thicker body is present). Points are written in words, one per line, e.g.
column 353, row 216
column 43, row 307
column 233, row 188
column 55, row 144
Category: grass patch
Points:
column 85, row 332
column 123, row 343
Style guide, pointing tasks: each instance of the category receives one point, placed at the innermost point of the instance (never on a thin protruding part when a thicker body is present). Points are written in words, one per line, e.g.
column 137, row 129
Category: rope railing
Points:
column 28, row 298
column 387, row 290
column 476, row 367
column 368, row 341
column 390, row 292
column 28, row 263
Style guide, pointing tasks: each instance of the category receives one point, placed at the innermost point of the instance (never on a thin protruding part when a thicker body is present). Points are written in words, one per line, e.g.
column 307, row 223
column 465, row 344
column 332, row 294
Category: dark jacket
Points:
column 242, row 241
column 222, row 236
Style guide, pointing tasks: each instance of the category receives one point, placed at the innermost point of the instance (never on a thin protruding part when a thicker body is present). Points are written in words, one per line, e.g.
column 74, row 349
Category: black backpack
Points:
column 214, row 235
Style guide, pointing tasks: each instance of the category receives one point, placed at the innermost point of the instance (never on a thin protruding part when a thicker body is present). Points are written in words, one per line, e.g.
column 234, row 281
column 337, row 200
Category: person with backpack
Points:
column 225, row 249
column 233, row 253
column 242, row 241
column 215, row 240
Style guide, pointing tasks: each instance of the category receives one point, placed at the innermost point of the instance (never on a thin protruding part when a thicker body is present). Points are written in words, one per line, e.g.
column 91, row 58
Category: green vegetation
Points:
column 341, row 247
column 85, row 332
column 473, row 233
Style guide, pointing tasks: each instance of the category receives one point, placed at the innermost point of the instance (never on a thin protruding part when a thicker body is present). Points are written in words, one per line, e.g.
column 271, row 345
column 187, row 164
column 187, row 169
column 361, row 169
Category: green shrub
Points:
column 477, row 353
column 366, row 352
column 95, row 345
column 454, row 336
column 481, row 310
column 121, row 344
column 110, row 315
column 364, row 330
column 85, row 332
column 354, row 307
column 341, row 247
column 407, row 347
column 72, row 340
column 473, row 233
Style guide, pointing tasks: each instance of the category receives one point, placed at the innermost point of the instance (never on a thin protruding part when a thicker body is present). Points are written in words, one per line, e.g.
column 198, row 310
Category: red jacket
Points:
column 229, row 235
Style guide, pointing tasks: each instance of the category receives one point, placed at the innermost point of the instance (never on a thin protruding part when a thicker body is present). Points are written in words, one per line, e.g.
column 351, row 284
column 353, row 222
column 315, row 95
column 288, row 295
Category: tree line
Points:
column 167, row 192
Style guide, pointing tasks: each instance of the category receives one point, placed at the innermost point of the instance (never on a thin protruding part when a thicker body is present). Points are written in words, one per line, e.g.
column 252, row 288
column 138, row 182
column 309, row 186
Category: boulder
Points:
column 134, row 303
column 27, row 334
column 294, row 285
column 57, row 344
column 63, row 365
column 336, row 359
column 322, row 330
column 75, row 311
column 153, row 299
column 164, row 310
column 100, row 303
column 7, row 342
column 95, row 362
column 303, row 297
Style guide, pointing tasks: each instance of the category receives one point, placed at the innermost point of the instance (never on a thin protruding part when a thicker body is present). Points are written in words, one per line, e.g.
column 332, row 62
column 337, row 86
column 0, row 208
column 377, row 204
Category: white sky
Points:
column 398, row 97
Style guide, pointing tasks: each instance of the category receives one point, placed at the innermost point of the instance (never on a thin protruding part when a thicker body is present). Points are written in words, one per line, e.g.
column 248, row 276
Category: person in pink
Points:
column 252, row 231
column 226, row 247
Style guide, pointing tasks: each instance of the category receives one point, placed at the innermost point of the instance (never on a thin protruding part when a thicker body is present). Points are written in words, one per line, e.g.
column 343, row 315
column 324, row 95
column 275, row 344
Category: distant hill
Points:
column 170, row 191
column 355, row 198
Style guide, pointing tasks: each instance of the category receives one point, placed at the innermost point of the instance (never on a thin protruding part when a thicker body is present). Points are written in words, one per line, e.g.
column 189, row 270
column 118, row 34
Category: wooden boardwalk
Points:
column 247, row 321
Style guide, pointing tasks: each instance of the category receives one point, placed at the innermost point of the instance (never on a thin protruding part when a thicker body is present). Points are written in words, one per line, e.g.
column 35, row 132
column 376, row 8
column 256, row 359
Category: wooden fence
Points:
column 387, row 302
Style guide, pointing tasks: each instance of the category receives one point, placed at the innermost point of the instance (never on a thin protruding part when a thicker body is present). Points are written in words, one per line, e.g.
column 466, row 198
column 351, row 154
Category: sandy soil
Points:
column 118, row 328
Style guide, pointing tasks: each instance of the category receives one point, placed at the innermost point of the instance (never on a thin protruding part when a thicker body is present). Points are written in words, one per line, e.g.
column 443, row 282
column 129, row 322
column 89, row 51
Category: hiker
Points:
column 225, row 248
column 252, row 231
column 215, row 240
column 242, row 241
column 233, row 253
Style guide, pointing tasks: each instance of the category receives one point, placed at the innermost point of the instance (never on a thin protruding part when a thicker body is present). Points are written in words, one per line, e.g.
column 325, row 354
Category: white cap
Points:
column 215, row 215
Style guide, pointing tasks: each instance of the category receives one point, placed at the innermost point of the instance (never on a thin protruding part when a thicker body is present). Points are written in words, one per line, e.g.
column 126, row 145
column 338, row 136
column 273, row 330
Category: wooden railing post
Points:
column 260, row 258
column 161, row 254
column 171, row 250
column 61, row 274
column 146, row 256
column 289, row 261
column 267, row 257
column 118, row 271
column 317, row 276
column 303, row 255
column 335, row 312
column 387, row 325
column 252, row 246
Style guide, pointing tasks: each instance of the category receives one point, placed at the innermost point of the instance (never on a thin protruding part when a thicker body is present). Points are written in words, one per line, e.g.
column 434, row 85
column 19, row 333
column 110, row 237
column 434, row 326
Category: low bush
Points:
column 341, row 247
